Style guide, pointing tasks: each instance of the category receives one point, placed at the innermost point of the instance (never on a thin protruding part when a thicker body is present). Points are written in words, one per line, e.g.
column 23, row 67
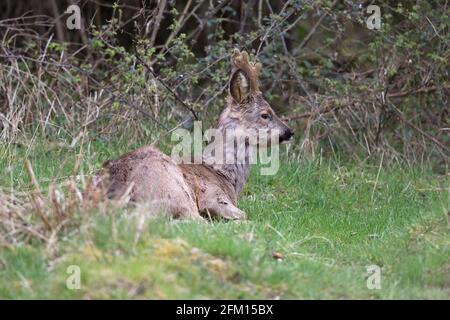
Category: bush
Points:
column 142, row 68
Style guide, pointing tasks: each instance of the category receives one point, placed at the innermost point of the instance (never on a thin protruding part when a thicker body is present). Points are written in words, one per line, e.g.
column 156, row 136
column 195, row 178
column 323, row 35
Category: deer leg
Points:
column 223, row 208
column 184, row 212
column 231, row 212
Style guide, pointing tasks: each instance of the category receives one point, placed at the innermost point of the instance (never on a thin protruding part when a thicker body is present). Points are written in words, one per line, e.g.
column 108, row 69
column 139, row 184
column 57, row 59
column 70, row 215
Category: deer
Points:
column 200, row 190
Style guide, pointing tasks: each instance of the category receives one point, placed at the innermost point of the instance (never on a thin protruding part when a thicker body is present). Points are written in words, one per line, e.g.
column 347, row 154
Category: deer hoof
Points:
column 234, row 214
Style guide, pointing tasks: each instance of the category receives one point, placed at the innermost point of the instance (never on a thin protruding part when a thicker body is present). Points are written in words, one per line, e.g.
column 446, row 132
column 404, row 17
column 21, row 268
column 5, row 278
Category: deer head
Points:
column 246, row 109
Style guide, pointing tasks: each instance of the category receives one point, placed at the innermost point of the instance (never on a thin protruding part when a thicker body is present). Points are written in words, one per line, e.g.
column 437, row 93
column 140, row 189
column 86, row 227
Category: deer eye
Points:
column 266, row 116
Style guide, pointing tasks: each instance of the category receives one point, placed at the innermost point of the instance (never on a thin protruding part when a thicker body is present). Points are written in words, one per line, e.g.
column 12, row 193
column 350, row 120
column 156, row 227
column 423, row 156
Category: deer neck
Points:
column 234, row 165
column 235, row 173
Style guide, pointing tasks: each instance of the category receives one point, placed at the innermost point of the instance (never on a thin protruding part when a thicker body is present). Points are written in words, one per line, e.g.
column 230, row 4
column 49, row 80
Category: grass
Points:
column 325, row 220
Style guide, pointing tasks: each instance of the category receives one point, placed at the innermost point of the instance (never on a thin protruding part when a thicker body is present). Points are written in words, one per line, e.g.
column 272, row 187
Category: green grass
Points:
column 328, row 221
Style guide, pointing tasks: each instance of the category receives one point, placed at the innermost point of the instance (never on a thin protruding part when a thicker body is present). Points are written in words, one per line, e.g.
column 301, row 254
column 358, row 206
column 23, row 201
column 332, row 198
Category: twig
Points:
column 378, row 176
column 165, row 85
column 180, row 23
column 310, row 114
column 416, row 128
column 32, row 176
column 420, row 90
column 313, row 30
column 272, row 26
column 159, row 16
column 37, row 195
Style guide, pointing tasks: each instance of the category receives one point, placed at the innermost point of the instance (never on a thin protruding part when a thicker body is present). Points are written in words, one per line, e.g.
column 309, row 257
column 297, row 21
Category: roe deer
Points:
column 196, row 190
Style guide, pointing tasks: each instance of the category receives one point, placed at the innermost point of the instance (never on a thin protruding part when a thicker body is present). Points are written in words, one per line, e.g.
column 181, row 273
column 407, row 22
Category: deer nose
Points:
column 290, row 134
column 287, row 135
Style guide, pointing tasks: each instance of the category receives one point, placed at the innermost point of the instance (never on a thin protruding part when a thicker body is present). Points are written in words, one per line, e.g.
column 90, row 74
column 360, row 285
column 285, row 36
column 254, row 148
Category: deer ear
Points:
column 239, row 86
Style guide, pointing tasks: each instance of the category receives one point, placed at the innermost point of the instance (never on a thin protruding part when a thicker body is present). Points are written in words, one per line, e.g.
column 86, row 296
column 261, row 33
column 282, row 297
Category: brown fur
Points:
column 195, row 190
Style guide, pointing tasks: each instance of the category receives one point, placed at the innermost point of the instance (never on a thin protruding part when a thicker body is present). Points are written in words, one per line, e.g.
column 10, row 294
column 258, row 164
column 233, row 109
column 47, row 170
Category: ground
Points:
column 312, row 230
